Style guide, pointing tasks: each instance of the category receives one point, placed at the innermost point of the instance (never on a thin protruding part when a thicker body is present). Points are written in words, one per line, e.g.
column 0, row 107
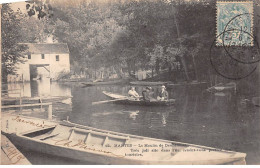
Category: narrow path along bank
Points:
column 10, row 155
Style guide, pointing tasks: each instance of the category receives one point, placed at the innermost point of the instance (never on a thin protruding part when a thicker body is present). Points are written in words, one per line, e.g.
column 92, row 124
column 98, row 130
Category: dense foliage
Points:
column 11, row 36
column 154, row 35
column 161, row 36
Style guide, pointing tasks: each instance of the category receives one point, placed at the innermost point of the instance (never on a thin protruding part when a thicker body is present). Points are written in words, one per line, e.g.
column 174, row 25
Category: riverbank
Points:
column 10, row 155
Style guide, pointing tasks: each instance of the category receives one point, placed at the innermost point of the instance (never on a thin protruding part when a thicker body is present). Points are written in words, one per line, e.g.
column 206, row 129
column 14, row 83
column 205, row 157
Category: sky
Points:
column 21, row 5
column 9, row 1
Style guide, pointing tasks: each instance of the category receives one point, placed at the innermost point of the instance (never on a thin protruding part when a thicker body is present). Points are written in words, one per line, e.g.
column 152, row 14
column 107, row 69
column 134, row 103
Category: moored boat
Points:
column 70, row 140
column 228, row 87
column 130, row 101
column 147, row 83
column 112, row 82
column 193, row 83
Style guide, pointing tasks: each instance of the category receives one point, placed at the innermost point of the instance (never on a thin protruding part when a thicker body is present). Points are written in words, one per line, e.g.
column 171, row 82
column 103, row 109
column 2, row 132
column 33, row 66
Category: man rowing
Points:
column 163, row 95
column 133, row 94
column 148, row 94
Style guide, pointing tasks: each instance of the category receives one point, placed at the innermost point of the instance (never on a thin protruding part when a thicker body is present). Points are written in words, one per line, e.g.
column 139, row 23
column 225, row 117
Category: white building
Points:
column 45, row 60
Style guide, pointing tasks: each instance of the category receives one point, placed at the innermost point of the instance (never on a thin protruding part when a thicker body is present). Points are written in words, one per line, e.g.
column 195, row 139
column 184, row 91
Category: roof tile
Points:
column 47, row 48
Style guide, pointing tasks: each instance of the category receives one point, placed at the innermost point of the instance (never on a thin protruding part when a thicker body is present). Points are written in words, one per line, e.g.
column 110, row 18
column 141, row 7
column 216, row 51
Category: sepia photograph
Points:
column 130, row 82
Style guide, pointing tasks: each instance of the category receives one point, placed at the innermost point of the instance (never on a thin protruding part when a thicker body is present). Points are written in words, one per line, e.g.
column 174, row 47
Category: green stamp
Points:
column 234, row 23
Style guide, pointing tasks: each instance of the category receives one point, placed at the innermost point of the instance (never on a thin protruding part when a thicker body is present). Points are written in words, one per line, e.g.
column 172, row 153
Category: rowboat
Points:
column 130, row 101
column 97, row 83
column 146, row 83
column 223, row 87
column 193, row 83
column 74, row 141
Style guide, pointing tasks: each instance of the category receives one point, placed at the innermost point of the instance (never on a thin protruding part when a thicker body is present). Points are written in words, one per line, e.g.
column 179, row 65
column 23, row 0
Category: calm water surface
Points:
column 221, row 121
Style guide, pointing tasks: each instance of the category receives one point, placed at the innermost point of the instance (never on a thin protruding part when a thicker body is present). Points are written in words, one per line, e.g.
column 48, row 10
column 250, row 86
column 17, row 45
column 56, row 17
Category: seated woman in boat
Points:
column 163, row 94
column 148, row 94
column 133, row 94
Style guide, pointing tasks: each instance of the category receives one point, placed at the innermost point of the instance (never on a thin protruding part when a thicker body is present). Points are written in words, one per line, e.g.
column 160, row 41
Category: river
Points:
column 222, row 121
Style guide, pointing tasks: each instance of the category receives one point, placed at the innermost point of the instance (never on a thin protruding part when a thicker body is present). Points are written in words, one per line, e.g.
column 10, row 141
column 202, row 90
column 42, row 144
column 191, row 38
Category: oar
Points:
column 106, row 101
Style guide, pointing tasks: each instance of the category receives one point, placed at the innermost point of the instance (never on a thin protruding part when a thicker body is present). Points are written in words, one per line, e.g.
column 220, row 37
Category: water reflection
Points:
column 37, row 88
column 131, row 114
column 200, row 118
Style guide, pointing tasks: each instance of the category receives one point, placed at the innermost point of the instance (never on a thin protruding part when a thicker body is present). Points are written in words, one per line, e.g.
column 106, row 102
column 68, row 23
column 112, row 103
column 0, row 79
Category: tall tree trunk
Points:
column 118, row 71
column 176, row 22
column 157, row 67
column 129, row 67
column 95, row 74
column 183, row 62
column 178, row 36
column 195, row 67
column 4, row 75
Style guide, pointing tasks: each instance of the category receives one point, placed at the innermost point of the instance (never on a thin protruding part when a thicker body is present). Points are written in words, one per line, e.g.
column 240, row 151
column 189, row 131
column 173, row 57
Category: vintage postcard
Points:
column 130, row 82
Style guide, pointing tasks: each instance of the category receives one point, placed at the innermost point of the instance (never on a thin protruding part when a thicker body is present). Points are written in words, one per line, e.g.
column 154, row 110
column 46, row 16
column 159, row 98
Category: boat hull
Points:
column 146, row 103
column 138, row 102
column 30, row 144
column 229, row 87
column 145, row 83
column 117, row 82
column 93, row 145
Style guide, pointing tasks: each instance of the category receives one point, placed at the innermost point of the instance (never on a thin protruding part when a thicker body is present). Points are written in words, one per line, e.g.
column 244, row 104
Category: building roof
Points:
column 47, row 48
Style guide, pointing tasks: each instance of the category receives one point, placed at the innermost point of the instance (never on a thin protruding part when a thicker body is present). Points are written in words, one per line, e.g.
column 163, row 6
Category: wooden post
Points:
column 20, row 101
column 50, row 112
column 40, row 101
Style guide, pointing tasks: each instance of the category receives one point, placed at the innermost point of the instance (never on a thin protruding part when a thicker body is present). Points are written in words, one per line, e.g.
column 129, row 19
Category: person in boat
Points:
column 163, row 94
column 133, row 94
column 148, row 94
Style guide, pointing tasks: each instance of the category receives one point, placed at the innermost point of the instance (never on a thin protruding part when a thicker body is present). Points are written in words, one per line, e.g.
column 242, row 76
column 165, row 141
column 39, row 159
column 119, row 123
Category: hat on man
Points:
column 163, row 86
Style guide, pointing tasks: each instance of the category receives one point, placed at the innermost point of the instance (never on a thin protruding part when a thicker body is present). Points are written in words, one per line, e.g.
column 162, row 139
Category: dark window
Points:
column 42, row 56
column 29, row 56
column 57, row 58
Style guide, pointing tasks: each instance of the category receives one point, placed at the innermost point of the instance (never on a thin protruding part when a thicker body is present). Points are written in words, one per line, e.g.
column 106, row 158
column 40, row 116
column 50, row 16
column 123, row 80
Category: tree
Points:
column 89, row 29
column 40, row 8
column 34, row 30
column 194, row 52
column 12, row 51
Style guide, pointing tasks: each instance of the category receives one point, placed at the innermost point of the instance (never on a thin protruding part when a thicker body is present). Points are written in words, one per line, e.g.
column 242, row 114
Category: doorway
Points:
column 39, row 71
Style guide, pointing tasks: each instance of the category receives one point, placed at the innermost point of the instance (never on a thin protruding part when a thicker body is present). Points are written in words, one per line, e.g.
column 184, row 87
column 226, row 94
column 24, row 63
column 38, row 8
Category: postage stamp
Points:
column 234, row 23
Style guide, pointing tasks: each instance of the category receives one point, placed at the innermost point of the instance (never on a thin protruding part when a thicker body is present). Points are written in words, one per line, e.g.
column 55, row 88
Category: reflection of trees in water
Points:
column 131, row 114
column 232, row 122
column 180, row 116
column 154, row 120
